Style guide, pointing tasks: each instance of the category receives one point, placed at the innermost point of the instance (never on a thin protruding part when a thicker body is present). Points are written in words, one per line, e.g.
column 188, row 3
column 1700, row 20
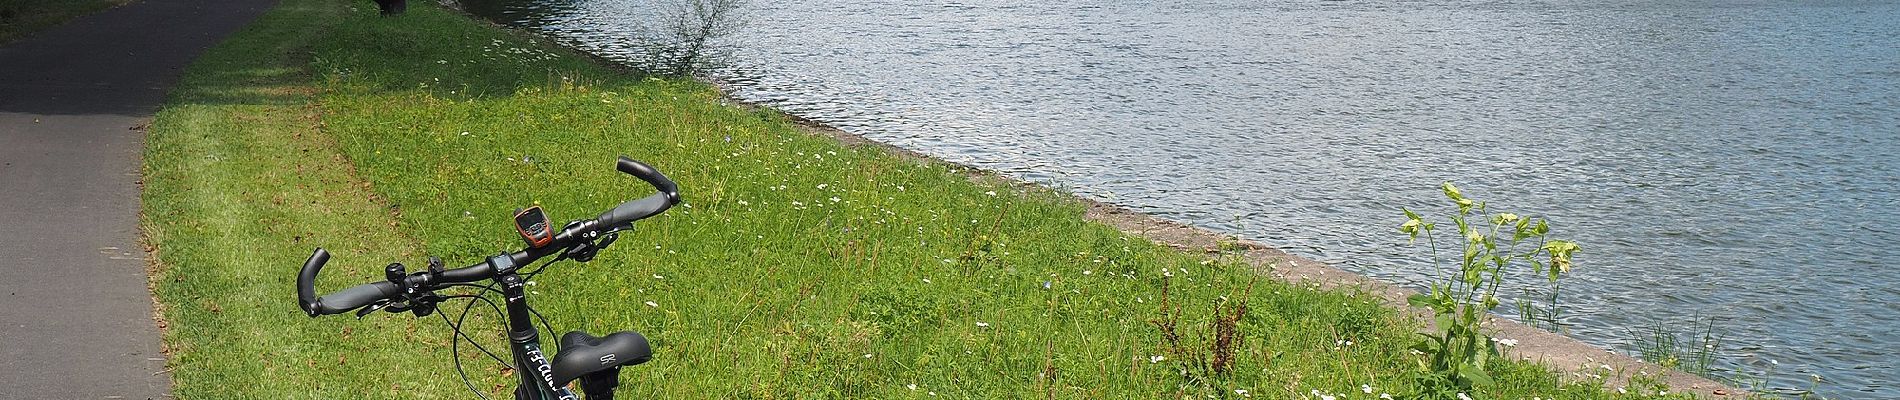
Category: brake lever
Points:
column 606, row 239
column 371, row 308
column 585, row 251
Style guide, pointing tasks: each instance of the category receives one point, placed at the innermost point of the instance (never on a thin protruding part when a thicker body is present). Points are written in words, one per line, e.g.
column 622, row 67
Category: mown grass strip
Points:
column 240, row 183
column 797, row 268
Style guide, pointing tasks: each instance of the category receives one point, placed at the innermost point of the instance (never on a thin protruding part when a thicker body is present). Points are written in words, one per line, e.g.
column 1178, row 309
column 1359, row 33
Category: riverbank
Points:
column 1568, row 356
column 798, row 267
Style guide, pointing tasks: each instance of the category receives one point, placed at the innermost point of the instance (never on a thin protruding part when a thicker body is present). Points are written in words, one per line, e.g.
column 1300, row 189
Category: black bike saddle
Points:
column 583, row 354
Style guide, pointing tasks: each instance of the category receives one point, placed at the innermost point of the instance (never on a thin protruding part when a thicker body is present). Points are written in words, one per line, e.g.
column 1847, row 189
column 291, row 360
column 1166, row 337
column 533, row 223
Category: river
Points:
column 1727, row 161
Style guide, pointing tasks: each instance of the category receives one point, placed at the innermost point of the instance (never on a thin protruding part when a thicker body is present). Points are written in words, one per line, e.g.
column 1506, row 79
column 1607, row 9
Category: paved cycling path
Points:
column 75, row 314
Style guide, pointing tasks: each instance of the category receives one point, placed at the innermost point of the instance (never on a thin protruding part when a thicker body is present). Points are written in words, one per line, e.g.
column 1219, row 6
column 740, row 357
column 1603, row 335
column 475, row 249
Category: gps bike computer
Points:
column 533, row 225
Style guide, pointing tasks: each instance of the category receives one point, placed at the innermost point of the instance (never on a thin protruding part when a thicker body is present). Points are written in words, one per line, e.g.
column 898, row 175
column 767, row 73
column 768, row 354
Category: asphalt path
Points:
column 75, row 313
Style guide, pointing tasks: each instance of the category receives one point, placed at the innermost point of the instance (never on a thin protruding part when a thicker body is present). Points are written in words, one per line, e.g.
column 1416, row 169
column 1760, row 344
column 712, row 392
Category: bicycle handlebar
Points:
column 646, row 207
column 620, row 217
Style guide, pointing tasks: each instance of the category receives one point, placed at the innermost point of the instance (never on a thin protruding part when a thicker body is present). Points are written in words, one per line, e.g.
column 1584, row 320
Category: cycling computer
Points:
column 533, row 225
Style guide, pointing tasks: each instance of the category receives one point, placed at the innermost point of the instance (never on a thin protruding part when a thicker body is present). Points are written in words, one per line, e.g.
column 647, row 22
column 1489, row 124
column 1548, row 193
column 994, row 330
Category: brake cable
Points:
column 481, row 294
column 455, row 345
column 460, row 321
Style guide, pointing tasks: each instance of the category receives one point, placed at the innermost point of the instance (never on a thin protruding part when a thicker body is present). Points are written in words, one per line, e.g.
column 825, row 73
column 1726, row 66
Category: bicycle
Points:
column 595, row 361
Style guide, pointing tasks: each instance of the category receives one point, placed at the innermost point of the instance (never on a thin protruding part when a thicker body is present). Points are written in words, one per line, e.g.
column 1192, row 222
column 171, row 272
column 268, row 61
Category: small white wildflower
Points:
column 1385, row 396
column 867, row 355
column 1366, row 388
column 1155, row 359
column 822, row 186
column 1505, row 342
column 1242, row 392
column 982, row 324
column 1462, row 396
column 1324, row 396
column 835, row 199
column 912, row 386
column 992, row 193
column 650, row 303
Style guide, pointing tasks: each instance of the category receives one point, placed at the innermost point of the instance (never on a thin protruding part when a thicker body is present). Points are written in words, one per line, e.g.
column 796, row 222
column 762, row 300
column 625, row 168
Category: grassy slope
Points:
column 20, row 17
column 800, row 268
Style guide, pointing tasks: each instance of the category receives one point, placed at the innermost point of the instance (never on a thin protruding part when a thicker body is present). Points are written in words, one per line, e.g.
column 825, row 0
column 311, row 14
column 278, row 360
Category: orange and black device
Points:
column 533, row 225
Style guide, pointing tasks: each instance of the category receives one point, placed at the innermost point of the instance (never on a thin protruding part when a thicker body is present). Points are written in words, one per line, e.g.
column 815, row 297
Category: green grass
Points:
column 21, row 17
column 1693, row 353
column 797, row 268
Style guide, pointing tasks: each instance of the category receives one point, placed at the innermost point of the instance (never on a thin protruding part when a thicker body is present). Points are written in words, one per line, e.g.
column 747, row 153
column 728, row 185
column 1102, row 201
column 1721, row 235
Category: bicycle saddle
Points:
column 583, row 354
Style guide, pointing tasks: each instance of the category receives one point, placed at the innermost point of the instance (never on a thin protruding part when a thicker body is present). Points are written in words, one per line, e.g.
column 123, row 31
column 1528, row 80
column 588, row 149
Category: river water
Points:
column 1732, row 161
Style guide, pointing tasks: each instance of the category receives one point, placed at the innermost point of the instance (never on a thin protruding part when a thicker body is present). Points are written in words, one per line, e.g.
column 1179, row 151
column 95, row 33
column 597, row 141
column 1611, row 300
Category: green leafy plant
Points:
column 1457, row 351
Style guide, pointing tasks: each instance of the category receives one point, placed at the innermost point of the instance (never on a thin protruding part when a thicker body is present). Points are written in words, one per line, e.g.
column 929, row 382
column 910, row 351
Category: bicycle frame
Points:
column 524, row 340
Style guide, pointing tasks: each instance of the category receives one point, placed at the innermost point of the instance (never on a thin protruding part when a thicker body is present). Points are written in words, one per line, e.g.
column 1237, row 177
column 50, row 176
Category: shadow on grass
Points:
column 439, row 51
column 264, row 86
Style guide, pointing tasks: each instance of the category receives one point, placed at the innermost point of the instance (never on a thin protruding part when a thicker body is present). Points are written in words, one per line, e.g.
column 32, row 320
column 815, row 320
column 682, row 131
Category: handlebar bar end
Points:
column 651, row 176
column 307, row 279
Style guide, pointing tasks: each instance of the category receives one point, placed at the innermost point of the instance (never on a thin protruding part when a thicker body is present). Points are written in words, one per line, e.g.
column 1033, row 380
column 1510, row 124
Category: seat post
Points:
column 600, row 385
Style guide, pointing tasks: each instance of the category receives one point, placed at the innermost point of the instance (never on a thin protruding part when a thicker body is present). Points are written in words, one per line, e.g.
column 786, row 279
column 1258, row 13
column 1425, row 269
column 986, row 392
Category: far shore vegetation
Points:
column 19, row 18
column 798, row 267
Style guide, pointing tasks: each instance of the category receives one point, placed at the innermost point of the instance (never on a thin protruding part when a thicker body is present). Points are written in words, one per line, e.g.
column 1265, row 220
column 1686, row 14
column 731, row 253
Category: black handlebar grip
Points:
column 645, row 207
column 636, row 210
column 307, row 280
column 350, row 299
column 339, row 302
column 652, row 176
